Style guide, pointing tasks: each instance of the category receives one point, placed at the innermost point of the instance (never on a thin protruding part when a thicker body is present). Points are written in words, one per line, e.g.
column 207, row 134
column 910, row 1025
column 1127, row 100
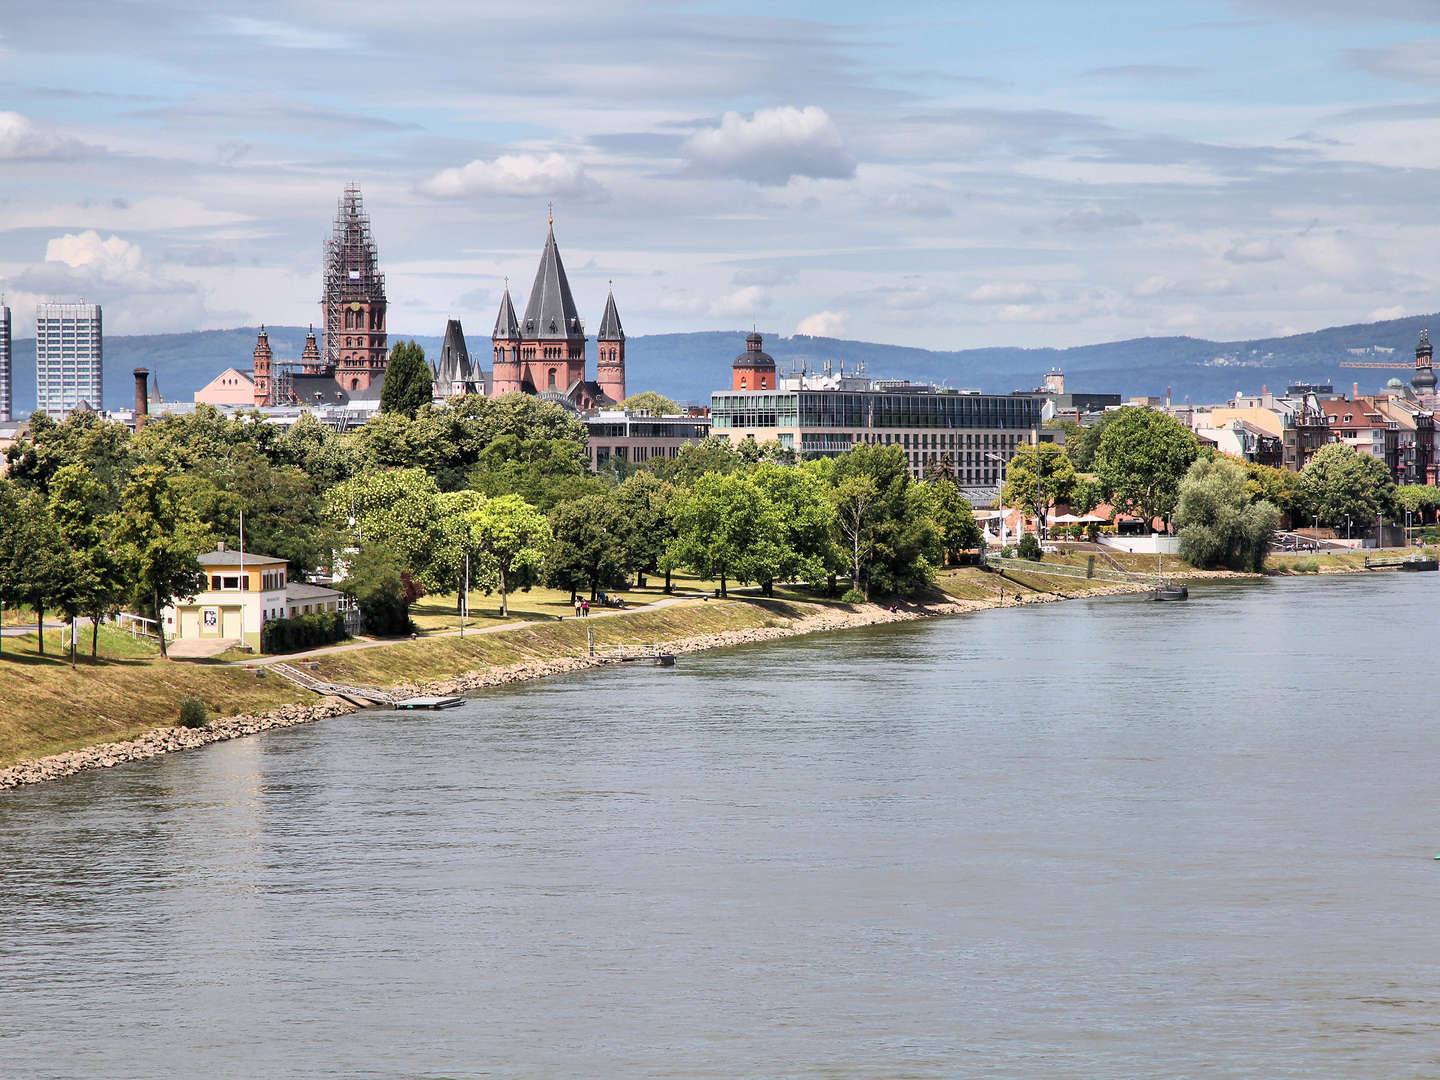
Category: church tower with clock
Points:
column 355, row 349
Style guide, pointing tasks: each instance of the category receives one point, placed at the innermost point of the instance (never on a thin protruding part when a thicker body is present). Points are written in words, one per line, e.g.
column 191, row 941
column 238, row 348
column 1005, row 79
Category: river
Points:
column 1104, row 838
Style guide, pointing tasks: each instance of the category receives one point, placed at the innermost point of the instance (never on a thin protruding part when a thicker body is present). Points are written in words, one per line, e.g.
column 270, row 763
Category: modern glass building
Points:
column 971, row 435
column 7, row 402
column 69, row 372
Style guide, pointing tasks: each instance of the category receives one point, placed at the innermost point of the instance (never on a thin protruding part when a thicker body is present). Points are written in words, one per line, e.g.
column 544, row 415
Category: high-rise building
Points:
column 7, row 404
column 354, row 300
column 69, row 369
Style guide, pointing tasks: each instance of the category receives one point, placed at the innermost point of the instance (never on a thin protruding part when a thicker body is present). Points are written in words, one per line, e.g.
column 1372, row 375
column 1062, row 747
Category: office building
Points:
column 69, row 368
column 7, row 401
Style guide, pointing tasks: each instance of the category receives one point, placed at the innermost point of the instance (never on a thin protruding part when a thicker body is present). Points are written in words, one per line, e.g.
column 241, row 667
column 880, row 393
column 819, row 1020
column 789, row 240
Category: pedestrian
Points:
column 585, row 608
column 577, row 607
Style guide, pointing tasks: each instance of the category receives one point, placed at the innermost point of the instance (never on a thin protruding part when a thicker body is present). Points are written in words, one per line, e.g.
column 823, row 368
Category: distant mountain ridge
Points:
column 688, row 367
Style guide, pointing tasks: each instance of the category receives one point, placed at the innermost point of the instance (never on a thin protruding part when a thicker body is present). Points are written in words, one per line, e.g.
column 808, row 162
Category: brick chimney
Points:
column 142, row 397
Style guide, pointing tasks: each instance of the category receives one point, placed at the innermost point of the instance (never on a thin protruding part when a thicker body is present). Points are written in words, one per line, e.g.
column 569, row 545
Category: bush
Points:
column 193, row 713
column 853, row 596
column 1029, row 547
column 1306, row 566
column 302, row 632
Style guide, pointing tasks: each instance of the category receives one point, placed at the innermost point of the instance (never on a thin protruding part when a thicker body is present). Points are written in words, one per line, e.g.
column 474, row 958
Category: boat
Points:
column 1165, row 591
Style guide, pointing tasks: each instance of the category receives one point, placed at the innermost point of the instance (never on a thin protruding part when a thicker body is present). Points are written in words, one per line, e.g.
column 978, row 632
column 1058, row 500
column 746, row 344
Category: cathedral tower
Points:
column 261, row 362
column 505, row 373
column 754, row 369
column 552, row 338
column 354, row 301
column 610, row 353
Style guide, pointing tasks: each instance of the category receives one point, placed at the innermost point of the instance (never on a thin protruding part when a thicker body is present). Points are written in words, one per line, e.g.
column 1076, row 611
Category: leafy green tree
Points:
column 375, row 578
column 84, row 438
column 1279, row 487
column 1141, row 459
column 160, row 540
column 514, row 536
column 528, row 417
column 36, row 563
column 1341, row 485
column 713, row 454
column 953, row 516
column 388, row 440
column 589, row 546
column 1219, row 526
column 647, row 507
column 543, row 472
column 1083, row 450
column 651, row 402
column 454, row 541
column 408, row 381
column 185, row 441
column 81, row 504
column 398, row 510
column 1419, row 499
column 728, row 528
column 855, row 502
column 806, row 550
column 891, row 543
column 1029, row 548
column 1038, row 477
column 319, row 452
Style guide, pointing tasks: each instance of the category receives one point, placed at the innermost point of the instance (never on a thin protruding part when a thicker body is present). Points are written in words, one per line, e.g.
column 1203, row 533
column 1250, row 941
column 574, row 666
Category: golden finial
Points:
column 552, row 212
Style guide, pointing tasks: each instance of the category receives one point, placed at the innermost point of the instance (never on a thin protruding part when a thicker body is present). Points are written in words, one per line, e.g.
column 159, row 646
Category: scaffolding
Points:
column 352, row 269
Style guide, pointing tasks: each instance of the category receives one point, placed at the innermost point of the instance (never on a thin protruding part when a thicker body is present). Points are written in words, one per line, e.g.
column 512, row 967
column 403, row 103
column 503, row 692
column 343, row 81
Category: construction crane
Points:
column 1422, row 359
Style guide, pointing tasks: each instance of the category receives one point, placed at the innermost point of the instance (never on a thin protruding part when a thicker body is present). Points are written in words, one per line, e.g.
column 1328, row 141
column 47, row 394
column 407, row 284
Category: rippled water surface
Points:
column 1096, row 839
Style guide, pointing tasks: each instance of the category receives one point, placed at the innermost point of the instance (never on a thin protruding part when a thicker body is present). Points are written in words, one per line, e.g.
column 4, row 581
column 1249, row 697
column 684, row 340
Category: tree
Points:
column 35, row 560
column 319, row 452
column 1219, row 526
column 855, row 501
column 80, row 505
column 806, row 549
column 1142, row 456
column 953, row 516
column 397, row 509
column 1280, row 487
column 712, row 454
column 160, row 539
column 651, row 402
column 376, row 581
column 544, row 472
column 1039, row 476
column 727, row 527
column 408, row 381
column 514, row 536
column 589, row 545
column 890, row 539
column 453, row 542
column 647, row 508
column 1084, row 447
column 1341, row 485
column 1419, row 499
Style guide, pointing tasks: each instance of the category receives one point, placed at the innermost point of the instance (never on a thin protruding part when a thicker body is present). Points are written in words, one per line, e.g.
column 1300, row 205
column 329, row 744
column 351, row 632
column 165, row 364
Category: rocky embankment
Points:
column 169, row 739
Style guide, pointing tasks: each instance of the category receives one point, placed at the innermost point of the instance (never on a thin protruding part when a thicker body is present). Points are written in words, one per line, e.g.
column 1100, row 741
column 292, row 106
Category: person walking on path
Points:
column 585, row 608
column 577, row 607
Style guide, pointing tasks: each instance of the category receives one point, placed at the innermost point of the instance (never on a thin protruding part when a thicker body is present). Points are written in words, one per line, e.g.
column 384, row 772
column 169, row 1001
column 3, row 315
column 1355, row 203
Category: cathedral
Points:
column 544, row 352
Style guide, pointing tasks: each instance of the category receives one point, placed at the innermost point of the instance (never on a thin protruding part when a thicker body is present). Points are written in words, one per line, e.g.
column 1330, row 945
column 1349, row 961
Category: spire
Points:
column 610, row 329
column 550, row 314
column 507, row 327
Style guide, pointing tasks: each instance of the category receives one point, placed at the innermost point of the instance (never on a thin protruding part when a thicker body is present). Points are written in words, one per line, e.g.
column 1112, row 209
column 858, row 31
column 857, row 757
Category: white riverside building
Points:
column 7, row 398
column 826, row 415
column 69, row 358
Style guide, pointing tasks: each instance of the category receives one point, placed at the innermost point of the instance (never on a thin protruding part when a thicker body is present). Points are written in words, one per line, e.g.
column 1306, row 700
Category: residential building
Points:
column 7, row 402
column 242, row 592
column 1365, row 429
column 971, row 435
column 231, row 387
column 635, row 437
column 69, row 358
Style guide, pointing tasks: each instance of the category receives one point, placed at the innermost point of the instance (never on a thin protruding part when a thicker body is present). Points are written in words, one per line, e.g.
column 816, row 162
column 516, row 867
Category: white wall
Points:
column 1144, row 545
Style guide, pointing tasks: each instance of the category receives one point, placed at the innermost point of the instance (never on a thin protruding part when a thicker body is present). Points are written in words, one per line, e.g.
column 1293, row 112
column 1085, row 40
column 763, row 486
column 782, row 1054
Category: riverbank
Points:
column 453, row 665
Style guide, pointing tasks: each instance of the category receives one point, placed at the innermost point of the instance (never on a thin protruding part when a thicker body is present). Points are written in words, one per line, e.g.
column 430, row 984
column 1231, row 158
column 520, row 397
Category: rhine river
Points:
column 1104, row 838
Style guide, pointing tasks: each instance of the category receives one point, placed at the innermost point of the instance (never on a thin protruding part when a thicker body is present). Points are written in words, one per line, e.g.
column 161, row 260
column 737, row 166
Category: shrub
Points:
column 1306, row 566
column 1029, row 547
column 302, row 632
column 193, row 713
column 853, row 596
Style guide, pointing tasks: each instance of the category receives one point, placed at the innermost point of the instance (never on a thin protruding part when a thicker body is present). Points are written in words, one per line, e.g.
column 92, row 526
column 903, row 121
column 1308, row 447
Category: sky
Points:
column 948, row 176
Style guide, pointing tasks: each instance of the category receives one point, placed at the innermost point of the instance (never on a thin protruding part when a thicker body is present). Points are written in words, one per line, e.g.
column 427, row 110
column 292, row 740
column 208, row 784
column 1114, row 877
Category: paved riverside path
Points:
column 372, row 643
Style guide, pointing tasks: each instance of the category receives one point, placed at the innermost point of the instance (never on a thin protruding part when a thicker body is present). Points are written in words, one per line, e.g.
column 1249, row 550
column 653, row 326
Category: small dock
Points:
column 430, row 703
column 1414, row 564
column 650, row 654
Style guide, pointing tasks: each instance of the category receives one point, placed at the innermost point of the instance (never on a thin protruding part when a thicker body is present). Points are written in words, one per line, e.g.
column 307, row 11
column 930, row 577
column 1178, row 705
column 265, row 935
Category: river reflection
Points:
column 1095, row 839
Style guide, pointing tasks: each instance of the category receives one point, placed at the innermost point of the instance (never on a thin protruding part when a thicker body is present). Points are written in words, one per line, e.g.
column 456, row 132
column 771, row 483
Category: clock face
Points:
column 354, row 305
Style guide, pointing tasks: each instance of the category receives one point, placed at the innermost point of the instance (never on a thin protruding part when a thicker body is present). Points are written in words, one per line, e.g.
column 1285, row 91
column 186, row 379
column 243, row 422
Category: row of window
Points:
column 845, row 409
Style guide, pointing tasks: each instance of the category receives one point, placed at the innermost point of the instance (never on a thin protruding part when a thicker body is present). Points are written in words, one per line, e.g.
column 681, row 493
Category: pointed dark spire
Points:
column 507, row 327
column 610, row 329
column 550, row 314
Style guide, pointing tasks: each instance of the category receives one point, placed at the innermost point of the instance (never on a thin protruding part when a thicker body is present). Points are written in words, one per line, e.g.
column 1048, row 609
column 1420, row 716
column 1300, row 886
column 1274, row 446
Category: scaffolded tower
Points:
column 354, row 300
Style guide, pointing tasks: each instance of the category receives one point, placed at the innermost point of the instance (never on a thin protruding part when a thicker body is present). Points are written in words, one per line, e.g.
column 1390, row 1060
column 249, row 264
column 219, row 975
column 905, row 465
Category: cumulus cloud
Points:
column 512, row 174
column 1254, row 251
column 1004, row 292
column 831, row 324
column 86, row 251
column 20, row 140
column 772, row 147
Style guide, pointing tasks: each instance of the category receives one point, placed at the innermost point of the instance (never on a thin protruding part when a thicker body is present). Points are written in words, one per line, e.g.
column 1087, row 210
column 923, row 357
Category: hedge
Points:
column 302, row 632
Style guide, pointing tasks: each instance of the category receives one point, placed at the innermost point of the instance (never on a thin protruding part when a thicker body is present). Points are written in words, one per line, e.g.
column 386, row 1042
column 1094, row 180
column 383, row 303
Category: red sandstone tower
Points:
column 552, row 338
column 505, row 376
column 753, row 369
column 261, row 362
column 610, row 352
column 354, row 301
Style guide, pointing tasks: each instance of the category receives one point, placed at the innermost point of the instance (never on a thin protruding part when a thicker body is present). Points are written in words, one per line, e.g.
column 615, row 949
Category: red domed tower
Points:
column 505, row 375
column 753, row 369
column 610, row 352
column 261, row 362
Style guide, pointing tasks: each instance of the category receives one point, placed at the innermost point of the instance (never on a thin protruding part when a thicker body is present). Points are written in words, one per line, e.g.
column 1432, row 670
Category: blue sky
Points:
column 948, row 176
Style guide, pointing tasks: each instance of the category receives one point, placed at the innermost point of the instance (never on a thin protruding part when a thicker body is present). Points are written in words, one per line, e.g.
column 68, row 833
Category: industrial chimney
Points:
column 142, row 397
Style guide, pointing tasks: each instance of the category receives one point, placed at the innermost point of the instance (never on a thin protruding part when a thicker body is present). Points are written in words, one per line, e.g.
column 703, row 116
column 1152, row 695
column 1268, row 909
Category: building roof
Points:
column 225, row 557
column 754, row 356
column 454, row 365
column 299, row 590
column 507, row 327
column 610, row 329
column 318, row 390
column 550, row 314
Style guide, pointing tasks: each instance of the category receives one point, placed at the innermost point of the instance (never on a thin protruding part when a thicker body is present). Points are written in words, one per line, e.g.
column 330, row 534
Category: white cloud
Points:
column 744, row 301
column 512, row 174
column 1254, row 251
column 86, row 251
column 1004, row 292
column 772, row 147
column 20, row 140
column 824, row 324
column 1385, row 314
column 285, row 35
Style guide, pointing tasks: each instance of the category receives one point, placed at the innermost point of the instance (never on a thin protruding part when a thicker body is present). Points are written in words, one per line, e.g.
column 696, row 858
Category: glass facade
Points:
column 7, row 404
column 69, row 367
